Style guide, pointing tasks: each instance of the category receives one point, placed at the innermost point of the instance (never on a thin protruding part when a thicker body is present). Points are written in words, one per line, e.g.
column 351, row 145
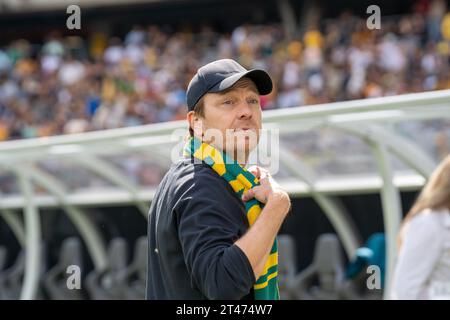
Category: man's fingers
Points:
column 263, row 174
column 248, row 195
column 256, row 171
column 264, row 181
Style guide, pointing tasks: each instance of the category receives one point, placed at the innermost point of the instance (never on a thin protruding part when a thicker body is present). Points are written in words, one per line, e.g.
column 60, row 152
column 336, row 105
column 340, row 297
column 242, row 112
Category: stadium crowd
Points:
column 69, row 84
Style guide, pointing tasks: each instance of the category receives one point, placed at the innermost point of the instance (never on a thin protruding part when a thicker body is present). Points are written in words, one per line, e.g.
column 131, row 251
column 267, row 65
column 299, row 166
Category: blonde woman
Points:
column 423, row 265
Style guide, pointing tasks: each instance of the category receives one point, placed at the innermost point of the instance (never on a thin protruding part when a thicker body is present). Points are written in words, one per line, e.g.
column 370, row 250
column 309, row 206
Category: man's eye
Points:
column 228, row 102
column 253, row 101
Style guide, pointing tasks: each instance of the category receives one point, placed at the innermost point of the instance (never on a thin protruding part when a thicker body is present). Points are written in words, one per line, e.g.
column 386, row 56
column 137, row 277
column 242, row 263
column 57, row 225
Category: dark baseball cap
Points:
column 220, row 75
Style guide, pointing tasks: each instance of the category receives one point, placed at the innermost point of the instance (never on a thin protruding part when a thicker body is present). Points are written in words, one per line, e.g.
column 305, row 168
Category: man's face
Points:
column 232, row 119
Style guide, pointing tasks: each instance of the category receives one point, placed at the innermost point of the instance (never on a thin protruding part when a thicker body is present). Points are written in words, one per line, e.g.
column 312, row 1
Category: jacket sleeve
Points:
column 208, row 226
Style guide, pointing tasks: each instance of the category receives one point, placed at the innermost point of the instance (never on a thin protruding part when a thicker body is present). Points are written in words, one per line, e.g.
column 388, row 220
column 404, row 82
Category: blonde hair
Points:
column 435, row 195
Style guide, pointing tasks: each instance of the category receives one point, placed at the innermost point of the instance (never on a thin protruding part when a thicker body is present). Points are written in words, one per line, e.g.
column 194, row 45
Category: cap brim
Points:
column 261, row 79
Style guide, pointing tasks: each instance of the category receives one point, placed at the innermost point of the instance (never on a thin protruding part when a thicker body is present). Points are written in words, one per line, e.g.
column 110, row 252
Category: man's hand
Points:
column 268, row 190
column 258, row 241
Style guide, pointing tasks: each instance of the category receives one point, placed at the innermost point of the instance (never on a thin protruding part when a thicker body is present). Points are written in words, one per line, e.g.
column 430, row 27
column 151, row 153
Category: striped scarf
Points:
column 241, row 180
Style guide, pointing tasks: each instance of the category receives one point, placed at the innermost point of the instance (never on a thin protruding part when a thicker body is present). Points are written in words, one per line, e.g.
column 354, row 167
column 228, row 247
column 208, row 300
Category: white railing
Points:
column 372, row 125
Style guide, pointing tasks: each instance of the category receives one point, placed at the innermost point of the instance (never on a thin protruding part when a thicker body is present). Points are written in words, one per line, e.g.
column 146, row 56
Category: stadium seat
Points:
column 11, row 279
column 372, row 253
column 3, row 259
column 323, row 279
column 357, row 289
column 287, row 265
column 133, row 278
column 3, row 256
column 55, row 280
column 105, row 284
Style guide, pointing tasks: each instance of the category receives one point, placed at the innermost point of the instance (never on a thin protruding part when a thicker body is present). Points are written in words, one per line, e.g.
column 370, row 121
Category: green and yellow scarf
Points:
column 241, row 180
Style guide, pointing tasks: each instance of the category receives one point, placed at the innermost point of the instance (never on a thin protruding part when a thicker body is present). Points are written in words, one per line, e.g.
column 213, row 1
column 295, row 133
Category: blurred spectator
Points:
column 68, row 85
column 435, row 14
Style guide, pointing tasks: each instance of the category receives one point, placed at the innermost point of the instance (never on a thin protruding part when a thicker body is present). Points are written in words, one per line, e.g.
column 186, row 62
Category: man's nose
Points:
column 245, row 111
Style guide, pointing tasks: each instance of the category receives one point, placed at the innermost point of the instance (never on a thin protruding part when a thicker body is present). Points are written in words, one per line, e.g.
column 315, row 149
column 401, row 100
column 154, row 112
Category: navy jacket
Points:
column 194, row 220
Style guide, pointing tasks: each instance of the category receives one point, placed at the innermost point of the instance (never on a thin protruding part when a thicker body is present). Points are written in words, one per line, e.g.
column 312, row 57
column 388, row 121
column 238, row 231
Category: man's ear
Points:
column 195, row 122
column 191, row 117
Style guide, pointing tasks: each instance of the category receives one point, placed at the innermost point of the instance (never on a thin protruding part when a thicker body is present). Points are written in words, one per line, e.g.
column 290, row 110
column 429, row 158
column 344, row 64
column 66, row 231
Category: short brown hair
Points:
column 199, row 109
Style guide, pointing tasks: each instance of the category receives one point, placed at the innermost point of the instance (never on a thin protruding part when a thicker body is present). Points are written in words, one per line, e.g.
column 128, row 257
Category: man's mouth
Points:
column 245, row 132
column 242, row 129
